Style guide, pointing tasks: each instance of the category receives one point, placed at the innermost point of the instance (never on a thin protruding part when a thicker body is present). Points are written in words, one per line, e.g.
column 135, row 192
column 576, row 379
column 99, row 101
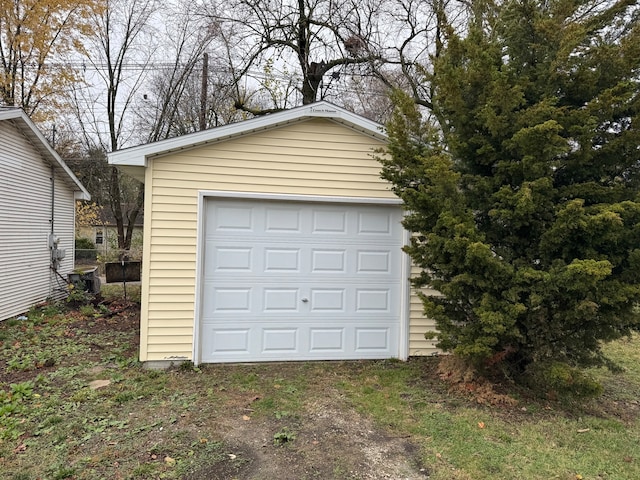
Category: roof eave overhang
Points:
column 138, row 156
column 29, row 130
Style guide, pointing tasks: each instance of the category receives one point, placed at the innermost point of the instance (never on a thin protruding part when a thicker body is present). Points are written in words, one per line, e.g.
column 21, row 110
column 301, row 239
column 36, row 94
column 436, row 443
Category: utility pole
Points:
column 203, row 92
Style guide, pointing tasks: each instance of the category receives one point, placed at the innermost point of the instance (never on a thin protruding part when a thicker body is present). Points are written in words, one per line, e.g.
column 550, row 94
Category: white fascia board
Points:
column 137, row 156
column 38, row 140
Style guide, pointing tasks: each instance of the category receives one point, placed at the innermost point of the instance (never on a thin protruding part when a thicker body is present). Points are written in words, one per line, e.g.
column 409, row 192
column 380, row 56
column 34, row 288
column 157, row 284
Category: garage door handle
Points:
column 305, row 300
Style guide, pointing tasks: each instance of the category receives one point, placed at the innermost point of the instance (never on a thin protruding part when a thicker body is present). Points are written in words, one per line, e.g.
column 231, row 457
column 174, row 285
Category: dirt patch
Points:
column 329, row 440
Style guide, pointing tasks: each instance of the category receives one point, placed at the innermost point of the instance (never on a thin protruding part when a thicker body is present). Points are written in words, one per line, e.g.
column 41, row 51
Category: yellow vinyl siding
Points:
column 312, row 157
column 158, row 281
column 171, row 299
column 173, row 290
column 419, row 325
column 160, row 248
column 171, row 257
column 227, row 166
column 171, row 338
column 167, row 325
column 159, row 350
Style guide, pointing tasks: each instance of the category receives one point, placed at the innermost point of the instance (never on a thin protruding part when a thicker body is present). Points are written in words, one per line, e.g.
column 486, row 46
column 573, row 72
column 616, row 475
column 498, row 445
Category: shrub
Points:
column 85, row 249
column 558, row 379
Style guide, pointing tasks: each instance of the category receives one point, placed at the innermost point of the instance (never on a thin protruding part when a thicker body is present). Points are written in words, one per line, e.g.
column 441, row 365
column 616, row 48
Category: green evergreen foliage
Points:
column 522, row 185
column 85, row 243
column 85, row 249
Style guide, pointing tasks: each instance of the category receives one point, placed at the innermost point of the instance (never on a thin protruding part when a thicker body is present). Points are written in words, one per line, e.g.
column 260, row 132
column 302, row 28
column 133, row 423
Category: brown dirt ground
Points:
column 332, row 442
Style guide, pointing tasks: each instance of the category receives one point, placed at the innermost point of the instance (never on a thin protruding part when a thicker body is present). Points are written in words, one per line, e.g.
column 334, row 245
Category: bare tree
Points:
column 119, row 57
column 365, row 95
column 324, row 46
column 307, row 39
column 420, row 29
column 187, row 92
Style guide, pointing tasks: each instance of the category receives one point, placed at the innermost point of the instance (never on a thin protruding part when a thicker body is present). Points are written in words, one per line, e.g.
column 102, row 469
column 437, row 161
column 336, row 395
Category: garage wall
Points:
column 311, row 157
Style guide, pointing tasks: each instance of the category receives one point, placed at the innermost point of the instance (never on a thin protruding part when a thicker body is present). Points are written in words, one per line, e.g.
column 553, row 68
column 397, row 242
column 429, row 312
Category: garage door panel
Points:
column 304, row 299
column 374, row 261
column 234, row 341
column 327, row 340
column 294, row 281
column 373, row 300
column 374, row 223
column 372, row 339
column 279, row 219
column 234, row 218
column 225, row 299
column 228, row 258
column 281, row 300
column 304, row 342
column 329, row 222
column 324, row 260
column 327, row 300
column 280, row 340
column 281, row 259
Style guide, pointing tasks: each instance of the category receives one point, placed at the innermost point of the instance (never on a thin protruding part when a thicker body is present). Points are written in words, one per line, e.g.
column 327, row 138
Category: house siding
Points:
column 295, row 159
column 420, row 324
column 25, row 225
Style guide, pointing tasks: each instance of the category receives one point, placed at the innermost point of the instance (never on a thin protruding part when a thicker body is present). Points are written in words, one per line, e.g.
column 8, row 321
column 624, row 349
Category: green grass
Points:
column 113, row 291
column 534, row 440
column 53, row 426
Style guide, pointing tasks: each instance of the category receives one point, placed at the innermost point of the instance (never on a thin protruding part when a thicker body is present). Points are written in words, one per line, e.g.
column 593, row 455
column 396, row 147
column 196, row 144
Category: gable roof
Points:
column 23, row 123
column 133, row 160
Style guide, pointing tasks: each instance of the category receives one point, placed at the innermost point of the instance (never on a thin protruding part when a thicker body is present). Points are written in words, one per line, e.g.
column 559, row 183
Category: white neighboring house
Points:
column 38, row 192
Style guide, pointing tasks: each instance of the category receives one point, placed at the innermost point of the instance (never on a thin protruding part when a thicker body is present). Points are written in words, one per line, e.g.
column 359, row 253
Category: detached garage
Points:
column 273, row 239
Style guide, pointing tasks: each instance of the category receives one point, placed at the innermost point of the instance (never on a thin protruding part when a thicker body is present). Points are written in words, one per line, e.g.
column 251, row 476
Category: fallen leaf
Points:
column 154, row 456
column 96, row 384
column 20, row 448
column 203, row 440
column 231, row 456
column 169, row 461
column 246, row 417
column 481, row 425
column 578, row 476
column 583, row 430
column 438, row 455
column 628, row 459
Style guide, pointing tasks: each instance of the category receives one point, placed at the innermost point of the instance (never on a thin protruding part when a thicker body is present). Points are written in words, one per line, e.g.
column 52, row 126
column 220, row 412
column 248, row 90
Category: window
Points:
column 99, row 237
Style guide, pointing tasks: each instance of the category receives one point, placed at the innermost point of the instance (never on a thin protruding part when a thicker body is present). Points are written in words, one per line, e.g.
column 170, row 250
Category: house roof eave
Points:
column 22, row 121
column 138, row 156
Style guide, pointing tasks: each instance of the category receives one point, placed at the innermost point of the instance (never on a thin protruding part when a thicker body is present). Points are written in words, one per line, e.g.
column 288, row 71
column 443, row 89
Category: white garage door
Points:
column 296, row 281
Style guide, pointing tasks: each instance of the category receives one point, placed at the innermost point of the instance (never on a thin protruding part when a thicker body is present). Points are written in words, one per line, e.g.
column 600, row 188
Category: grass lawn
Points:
column 76, row 404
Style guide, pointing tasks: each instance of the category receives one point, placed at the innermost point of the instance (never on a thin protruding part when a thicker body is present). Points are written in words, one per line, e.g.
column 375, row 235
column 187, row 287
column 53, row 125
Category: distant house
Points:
column 274, row 239
column 103, row 233
column 37, row 216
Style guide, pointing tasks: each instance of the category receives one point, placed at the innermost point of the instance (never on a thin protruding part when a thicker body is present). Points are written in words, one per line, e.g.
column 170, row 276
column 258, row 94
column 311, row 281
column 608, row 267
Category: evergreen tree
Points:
column 522, row 186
